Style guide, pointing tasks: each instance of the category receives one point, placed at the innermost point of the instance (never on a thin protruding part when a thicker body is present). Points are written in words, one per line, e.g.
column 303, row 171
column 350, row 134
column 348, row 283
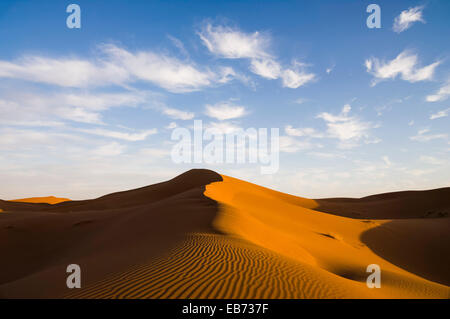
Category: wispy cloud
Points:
column 442, row 94
column 328, row 155
column 289, row 144
column 225, row 111
column 296, row 76
column 407, row 18
column 171, row 125
column 115, row 66
column 110, row 149
column 431, row 160
column 348, row 129
column 179, row 45
column 224, row 127
column 131, row 137
column 232, row 43
column 301, row 100
column 405, row 65
column 66, row 72
column 165, row 71
column 386, row 161
column 437, row 115
column 38, row 139
column 302, row 132
column 178, row 114
column 42, row 107
column 330, row 69
column 423, row 136
column 267, row 68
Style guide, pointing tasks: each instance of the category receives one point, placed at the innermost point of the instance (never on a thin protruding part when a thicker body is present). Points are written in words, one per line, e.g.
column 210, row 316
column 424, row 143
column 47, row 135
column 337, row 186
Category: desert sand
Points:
column 46, row 199
column 205, row 235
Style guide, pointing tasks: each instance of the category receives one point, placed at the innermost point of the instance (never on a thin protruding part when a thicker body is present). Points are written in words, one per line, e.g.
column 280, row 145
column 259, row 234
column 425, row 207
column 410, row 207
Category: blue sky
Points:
column 88, row 111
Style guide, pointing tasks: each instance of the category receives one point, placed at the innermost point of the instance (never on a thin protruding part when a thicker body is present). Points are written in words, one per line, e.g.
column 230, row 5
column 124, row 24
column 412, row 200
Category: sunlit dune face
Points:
column 290, row 226
column 48, row 200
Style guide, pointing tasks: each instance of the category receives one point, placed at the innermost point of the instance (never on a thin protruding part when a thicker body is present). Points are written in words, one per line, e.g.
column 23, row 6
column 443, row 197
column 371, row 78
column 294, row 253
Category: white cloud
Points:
column 30, row 139
column 407, row 18
column 224, row 127
column 294, row 78
column 132, row 137
column 154, row 152
column 179, row 45
column 420, row 172
column 178, row 114
column 66, row 72
column 330, row 69
column 442, row 94
column 300, row 100
column 225, row 111
column 111, row 149
column 117, row 66
column 422, row 136
column 289, row 144
column 165, row 71
column 431, row 160
column 234, row 44
column 386, row 161
column 348, row 129
column 231, row 43
column 443, row 113
column 306, row 132
column 171, row 125
column 29, row 108
column 326, row 155
column 267, row 68
column 404, row 65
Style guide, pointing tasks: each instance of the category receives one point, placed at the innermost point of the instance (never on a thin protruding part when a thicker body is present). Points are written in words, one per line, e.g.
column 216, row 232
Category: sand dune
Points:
column 410, row 204
column 46, row 200
column 205, row 235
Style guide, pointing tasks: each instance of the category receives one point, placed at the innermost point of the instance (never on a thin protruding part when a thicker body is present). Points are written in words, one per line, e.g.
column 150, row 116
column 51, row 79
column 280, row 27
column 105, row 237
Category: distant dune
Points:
column 47, row 200
column 205, row 235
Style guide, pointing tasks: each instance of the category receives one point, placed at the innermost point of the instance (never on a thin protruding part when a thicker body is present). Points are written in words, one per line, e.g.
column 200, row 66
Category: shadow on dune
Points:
column 420, row 246
column 103, row 236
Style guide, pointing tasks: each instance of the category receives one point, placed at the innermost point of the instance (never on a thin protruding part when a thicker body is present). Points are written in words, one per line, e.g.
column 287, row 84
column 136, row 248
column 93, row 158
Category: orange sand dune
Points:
column 339, row 245
column 47, row 200
column 205, row 235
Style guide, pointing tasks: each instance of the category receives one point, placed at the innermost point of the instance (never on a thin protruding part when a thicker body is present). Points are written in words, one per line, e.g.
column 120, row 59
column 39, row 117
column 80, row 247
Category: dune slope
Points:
column 203, row 235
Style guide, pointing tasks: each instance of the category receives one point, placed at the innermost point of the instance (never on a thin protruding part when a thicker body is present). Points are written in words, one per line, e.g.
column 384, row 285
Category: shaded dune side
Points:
column 135, row 197
column 20, row 206
column 408, row 204
column 36, row 248
column 416, row 245
column 144, row 195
